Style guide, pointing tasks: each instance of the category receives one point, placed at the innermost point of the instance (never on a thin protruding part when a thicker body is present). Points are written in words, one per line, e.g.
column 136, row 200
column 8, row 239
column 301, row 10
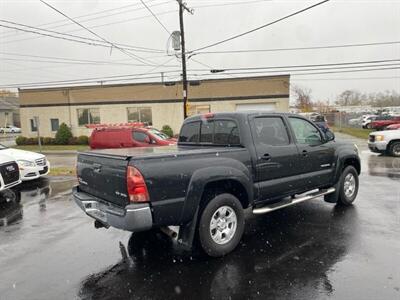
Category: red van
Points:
column 125, row 137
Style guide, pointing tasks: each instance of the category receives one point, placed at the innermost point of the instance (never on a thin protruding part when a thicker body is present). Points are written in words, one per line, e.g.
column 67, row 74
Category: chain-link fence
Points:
column 344, row 119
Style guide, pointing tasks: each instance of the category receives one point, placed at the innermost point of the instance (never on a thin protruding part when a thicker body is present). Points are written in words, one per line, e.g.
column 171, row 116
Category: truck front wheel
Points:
column 221, row 225
column 394, row 149
column 348, row 186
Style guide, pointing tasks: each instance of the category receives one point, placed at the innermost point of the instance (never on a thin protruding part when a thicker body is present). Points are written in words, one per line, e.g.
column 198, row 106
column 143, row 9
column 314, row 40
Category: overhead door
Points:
column 257, row 107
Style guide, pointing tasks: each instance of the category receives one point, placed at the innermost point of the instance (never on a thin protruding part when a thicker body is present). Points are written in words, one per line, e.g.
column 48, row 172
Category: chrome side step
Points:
column 282, row 204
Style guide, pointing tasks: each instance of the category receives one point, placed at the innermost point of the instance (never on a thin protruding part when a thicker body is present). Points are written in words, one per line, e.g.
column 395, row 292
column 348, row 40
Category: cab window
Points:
column 305, row 132
column 190, row 133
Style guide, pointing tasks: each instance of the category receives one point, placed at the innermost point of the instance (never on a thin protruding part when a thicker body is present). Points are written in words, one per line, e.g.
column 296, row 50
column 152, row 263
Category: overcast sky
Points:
column 128, row 22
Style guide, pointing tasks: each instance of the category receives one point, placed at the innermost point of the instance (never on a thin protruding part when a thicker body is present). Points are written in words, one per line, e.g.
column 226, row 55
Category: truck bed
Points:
column 166, row 170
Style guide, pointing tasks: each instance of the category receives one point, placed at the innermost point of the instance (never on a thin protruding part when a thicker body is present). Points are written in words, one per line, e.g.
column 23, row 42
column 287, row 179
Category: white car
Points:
column 387, row 141
column 32, row 165
column 356, row 121
column 10, row 129
column 366, row 123
column 9, row 172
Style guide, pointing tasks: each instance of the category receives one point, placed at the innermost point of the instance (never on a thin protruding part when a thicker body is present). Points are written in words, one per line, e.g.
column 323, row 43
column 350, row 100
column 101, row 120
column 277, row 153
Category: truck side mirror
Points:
column 329, row 135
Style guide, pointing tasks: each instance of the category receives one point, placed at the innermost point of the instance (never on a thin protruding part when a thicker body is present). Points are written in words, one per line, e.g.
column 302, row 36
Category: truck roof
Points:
column 233, row 115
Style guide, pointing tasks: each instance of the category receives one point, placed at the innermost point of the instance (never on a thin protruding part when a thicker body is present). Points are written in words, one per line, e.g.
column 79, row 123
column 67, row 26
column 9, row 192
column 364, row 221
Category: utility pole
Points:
column 182, row 6
column 36, row 119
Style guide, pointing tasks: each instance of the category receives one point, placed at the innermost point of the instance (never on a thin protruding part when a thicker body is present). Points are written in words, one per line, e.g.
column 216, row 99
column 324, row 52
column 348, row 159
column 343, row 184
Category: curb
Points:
column 60, row 152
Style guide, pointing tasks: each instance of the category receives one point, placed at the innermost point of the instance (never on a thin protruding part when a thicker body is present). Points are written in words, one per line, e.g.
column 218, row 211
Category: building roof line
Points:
column 71, row 87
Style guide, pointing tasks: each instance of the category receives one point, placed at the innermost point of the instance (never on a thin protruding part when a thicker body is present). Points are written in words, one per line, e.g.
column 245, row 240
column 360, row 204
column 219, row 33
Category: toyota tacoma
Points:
column 223, row 164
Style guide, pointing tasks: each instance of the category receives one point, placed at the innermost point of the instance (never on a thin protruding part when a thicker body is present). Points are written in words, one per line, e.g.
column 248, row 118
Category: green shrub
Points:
column 83, row 140
column 73, row 141
column 21, row 140
column 63, row 135
column 31, row 141
column 166, row 129
column 48, row 141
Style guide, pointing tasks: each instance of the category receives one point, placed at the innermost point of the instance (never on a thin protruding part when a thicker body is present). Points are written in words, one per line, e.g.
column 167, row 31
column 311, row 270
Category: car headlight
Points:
column 379, row 138
column 25, row 163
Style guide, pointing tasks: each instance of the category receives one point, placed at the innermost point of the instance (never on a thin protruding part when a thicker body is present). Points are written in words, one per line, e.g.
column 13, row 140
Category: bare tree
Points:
column 303, row 98
column 349, row 97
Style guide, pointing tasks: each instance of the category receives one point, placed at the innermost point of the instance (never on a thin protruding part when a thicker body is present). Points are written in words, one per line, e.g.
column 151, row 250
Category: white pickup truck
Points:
column 387, row 141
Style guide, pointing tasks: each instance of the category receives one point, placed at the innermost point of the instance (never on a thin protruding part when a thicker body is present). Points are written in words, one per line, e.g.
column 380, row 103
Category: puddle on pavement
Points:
column 36, row 192
column 384, row 166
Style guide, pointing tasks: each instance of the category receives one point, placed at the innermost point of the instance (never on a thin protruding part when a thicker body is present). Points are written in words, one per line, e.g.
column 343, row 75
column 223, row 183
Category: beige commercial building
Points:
column 157, row 104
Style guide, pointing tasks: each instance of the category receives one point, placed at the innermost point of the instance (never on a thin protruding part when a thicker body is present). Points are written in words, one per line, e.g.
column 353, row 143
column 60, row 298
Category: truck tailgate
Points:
column 104, row 177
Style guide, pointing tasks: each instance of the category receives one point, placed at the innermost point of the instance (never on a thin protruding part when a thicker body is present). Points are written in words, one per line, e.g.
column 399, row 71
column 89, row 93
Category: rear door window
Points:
column 271, row 131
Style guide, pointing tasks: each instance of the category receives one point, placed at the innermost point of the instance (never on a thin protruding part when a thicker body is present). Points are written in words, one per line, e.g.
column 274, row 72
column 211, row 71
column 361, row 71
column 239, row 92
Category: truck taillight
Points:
column 136, row 186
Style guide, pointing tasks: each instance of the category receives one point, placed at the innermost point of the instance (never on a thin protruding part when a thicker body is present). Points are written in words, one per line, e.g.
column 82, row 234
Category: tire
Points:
column 226, row 213
column 346, row 196
column 394, row 149
column 339, row 196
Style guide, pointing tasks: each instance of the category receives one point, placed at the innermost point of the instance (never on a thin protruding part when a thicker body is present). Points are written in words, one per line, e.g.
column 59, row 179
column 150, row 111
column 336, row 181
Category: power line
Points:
column 70, row 37
column 295, row 48
column 377, row 65
column 134, row 56
column 90, row 79
column 67, row 23
column 312, row 65
column 78, row 62
column 287, row 72
column 136, row 48
column 144, row 17
column 262, row 26
column 155, row 17
column 345, row 79
column 57, row 59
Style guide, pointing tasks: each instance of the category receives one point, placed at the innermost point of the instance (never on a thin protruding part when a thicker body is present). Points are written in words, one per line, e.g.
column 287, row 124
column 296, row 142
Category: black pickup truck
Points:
column 223, row 164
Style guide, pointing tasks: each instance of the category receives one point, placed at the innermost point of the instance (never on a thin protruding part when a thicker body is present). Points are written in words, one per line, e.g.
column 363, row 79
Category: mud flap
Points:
column 187, row 233
column 334, row 197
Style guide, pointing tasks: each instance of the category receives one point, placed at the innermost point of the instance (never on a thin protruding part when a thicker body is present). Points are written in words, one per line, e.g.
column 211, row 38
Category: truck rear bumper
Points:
column 134, row 217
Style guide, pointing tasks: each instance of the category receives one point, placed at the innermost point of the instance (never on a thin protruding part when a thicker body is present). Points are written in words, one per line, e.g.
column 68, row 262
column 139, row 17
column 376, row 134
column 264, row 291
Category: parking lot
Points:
column 50, row 250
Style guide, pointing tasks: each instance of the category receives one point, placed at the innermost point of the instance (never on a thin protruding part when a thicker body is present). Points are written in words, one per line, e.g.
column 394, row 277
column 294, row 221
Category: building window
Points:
column 33, row 125
column 88, row 116
column 198, row 109
column 140, row 114
column 55, row 124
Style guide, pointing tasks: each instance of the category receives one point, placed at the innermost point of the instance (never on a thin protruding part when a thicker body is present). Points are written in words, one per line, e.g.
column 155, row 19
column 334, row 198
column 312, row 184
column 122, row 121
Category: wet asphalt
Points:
column 50, row 250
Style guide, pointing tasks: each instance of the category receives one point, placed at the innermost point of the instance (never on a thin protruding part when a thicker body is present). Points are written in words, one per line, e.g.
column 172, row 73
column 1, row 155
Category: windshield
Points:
column 159, row 134
column 2, row 147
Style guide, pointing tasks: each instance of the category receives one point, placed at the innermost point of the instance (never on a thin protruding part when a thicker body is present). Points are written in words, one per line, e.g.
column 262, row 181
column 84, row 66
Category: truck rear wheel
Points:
column 221, row 225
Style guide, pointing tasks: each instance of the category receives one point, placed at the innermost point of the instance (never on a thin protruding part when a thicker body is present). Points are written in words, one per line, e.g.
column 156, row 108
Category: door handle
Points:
column 266, row 156
column 304, row 153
